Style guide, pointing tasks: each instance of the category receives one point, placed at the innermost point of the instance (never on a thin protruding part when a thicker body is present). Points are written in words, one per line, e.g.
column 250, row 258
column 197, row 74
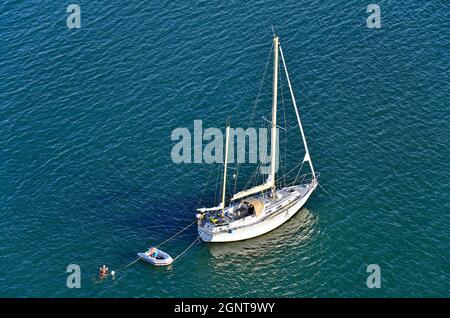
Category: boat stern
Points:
column 205, row 231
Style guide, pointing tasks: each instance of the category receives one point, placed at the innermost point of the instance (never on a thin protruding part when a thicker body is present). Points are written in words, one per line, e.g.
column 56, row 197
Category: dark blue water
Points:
column 86, row 117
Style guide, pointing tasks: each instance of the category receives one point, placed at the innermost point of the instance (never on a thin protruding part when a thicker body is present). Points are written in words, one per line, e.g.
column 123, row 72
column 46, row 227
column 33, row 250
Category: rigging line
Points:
column 265, row 148
column 283, row 176
column 261, row 84
column 303, row 177
column 301, row 163
column 256, row 173
column 253, row 180
column 181, row 254
column 217, row 185
column 298, row 172
column 225, row 155
column 298, row 176
column 259, row 175
column 262, row 155
column 253, row 175
column 204, row 189
column 285, row 122
column 229, row 190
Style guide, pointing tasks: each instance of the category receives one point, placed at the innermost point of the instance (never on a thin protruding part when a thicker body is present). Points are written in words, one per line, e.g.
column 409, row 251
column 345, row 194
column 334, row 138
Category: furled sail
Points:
column 307, row 157
column 216, row 208
column 265, row 186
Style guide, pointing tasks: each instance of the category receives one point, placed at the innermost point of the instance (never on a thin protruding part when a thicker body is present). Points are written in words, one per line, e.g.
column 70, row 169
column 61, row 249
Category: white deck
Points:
column 289, row 201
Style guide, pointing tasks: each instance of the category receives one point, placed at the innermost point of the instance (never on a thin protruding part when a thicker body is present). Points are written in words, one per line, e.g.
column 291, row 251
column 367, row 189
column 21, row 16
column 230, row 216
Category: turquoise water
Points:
column 86, row 117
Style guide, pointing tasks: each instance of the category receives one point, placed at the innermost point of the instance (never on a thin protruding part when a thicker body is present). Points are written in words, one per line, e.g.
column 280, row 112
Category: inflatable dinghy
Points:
column 161, row 259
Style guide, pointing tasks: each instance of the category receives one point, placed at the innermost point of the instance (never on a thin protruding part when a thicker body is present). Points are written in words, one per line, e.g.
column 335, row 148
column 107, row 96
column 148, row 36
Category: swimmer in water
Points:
column 103, row 271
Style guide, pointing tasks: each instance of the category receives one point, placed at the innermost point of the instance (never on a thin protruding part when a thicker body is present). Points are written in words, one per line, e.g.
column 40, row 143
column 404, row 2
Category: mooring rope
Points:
column 170, row 238
column 176, row 234
column 122, row 268
column 181, row 254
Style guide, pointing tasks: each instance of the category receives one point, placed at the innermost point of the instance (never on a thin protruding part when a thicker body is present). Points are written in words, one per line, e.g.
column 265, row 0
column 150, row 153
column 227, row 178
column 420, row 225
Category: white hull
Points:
column 257, row 229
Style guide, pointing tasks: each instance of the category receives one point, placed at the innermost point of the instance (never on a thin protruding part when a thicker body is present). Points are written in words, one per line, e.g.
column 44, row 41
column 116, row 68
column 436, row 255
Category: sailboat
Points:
column 264, row 207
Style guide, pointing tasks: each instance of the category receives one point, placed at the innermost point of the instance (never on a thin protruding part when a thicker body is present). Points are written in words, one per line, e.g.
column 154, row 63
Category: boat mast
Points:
column 307, row 156
column 274, row 115
column 270, row 182
column 222, row 204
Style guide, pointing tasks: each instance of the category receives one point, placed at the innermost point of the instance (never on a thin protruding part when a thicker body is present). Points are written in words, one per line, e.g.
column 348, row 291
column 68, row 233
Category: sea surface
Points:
column 87, row 178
